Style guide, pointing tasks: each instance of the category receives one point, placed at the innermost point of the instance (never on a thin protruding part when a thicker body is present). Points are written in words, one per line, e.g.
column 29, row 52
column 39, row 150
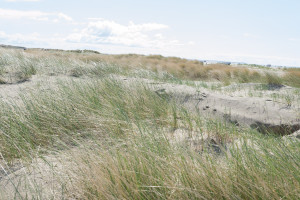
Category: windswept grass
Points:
column 273, row 79
column 72, row 109
column 292, row 77
column 150, row 168
column 124, row 135
column 134, row 159
column 15, row 67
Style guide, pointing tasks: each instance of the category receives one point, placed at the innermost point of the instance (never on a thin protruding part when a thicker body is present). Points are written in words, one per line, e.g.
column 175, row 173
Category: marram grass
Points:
column 122, row 136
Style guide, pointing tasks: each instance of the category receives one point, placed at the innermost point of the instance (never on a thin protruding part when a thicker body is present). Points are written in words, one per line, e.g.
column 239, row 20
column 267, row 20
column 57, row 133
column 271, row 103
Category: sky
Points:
column 251, row 31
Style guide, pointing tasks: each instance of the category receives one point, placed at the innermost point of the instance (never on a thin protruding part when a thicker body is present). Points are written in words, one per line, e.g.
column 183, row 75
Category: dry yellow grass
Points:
column 292, row 77
column 181, row 68
column 178, row 67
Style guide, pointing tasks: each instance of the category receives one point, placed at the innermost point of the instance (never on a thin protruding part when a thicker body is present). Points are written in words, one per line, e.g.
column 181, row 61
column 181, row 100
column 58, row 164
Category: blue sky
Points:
column 252, row 31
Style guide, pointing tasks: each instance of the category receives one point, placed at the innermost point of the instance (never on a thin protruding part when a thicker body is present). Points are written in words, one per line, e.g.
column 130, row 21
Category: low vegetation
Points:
column 180, row 68
column 123, row 132
column 15, row 68
column 292, row 77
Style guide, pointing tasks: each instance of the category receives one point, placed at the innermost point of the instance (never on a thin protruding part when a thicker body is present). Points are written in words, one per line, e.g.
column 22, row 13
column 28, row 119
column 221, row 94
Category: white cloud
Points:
column 32, row 15
column 62, row 41
column 100, row 31
column 98, row 34
column 19, row 38
column 64, row 16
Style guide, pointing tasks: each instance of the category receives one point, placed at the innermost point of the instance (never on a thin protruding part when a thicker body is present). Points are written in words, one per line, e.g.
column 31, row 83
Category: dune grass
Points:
column 292, row 77
column 15, row 67
column 153, row 169
column 55, row 62
column 124, row 133
column 134, row 157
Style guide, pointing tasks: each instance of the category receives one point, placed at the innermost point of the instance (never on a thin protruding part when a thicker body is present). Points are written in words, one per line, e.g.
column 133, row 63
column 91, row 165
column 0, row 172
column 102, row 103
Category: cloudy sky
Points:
column 252, row 31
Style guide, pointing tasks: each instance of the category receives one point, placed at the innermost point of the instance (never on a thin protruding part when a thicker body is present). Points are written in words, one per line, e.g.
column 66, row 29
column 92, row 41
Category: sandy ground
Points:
column 11, row 93
column 261, row 113
column 45, row 177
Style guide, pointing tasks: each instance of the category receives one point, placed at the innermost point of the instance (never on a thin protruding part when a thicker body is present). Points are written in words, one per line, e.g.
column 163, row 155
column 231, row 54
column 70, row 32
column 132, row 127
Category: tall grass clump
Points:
column 273, row 79
column 15, row 67
column 292, row 78
column 149, row 167
column 72, row 109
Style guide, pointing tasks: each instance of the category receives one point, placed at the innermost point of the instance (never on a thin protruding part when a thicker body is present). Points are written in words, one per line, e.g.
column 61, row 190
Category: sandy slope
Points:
column 251, row 111
column 44, row 178
column 263, row 114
